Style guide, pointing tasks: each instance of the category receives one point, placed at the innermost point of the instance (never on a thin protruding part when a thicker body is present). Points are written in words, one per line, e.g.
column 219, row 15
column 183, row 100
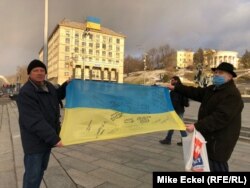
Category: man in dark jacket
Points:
column 179, row 103
column 38, row 105
column 219, row 118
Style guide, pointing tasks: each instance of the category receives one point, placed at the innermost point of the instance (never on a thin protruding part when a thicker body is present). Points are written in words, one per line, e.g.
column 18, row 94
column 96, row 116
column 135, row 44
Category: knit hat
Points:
column 36, row 63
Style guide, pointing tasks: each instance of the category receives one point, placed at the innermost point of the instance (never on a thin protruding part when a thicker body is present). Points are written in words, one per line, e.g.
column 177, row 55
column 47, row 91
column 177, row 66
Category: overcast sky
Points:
column 193, row 24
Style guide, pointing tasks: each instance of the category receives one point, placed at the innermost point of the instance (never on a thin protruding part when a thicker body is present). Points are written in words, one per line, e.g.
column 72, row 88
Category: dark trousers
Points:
column 216, row 166
column 35, row 165
column 171, row 132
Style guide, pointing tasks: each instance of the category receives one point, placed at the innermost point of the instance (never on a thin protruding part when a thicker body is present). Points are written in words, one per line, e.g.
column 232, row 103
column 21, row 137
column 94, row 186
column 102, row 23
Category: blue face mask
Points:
column 218, row 80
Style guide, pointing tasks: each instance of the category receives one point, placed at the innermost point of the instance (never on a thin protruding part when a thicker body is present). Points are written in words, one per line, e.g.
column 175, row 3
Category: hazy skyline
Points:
column 192, row 24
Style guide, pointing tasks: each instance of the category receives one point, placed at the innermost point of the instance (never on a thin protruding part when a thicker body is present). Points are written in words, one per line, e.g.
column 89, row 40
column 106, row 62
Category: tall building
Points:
column 85, row 50
column 184, row 58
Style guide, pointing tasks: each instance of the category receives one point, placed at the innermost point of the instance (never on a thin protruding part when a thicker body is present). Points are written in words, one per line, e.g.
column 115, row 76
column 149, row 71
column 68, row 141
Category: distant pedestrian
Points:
column 38, row 105
column 219, row 118
column 179, row 103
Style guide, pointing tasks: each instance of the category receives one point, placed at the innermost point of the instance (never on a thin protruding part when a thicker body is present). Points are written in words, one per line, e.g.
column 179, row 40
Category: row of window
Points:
column 92, row 36
column 91, row 60
column 96, row 45
column 96, row 74
column 186, row 60
column 92, row 52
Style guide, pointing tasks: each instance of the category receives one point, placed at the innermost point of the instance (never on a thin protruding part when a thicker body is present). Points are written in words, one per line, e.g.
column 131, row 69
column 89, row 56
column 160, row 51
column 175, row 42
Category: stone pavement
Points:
column 126, row 162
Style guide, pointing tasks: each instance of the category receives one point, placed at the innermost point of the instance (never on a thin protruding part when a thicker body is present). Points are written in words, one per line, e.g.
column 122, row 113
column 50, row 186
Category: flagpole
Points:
column 45, row 42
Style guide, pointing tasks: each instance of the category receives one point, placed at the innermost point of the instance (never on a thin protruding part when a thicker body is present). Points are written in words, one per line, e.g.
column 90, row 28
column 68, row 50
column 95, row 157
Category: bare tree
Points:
column 245, row 60
column 199, row 57
column 132, row 64
column 161, row 57
column 21, row 74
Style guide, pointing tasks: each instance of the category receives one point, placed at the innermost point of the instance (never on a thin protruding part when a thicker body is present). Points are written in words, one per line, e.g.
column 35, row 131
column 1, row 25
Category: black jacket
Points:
column 179, row 102
column 39, row 115
column 219, row 118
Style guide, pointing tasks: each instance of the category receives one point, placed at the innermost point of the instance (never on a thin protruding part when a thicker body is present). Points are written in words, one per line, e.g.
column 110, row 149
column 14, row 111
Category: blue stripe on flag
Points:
column 93, row 19
column 126, row 98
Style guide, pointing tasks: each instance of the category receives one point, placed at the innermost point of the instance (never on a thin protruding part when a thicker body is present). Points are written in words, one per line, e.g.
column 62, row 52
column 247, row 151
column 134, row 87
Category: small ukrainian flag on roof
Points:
column 93, row 23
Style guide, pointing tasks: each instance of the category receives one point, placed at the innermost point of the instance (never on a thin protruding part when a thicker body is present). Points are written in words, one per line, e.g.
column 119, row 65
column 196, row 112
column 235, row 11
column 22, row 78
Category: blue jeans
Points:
column 35, row 165
column 171, row 132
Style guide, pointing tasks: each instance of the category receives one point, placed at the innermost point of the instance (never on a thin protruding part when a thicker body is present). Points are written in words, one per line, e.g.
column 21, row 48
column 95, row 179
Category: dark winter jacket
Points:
column 39, row 115
column 219, row 118
column 179, row 102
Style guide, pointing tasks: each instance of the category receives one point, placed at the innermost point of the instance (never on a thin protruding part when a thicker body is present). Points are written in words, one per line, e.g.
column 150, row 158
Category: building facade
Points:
column 184, row 58
column 86, row 51
column 213, row 58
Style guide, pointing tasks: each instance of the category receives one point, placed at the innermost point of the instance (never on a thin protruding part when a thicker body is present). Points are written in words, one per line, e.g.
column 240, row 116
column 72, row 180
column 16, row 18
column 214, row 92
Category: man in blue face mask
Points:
column 223, row 73
column 219, row 117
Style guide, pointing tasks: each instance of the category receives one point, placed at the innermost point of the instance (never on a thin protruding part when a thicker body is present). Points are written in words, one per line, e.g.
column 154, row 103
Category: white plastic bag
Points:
column 195, row 152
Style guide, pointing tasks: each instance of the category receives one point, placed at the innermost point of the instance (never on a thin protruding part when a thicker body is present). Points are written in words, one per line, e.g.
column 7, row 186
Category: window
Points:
column 103, row 46
column 110, row 47
column 76, row 58
column 83, row 35
column 90, row 37
column 76, row 35
column 66, row 58
column 104, row 39
column 76, row 49
column 66, row 65
column 118, row 41
column 67, row 33
column 67, row 49
column 77, row 42
column 97, row 38
column 67, row 40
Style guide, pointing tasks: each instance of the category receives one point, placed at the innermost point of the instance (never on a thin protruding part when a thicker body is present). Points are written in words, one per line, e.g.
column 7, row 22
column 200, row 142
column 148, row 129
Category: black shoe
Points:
column 179, row 143
column 165, row 142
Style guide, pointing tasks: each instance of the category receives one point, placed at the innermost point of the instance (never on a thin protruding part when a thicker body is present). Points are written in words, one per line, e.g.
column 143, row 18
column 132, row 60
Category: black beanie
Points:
column 36, row 63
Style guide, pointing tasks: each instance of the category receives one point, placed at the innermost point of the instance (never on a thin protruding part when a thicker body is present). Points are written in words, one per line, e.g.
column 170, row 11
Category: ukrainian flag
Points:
column 93, row 23
column 102, row 110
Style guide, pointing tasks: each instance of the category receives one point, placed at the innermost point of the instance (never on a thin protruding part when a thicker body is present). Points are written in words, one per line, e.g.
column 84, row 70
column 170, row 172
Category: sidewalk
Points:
column 126, row 162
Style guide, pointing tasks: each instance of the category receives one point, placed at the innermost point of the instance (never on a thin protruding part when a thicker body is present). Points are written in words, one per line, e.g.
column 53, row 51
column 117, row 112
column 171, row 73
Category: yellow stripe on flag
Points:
column 84, row 125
